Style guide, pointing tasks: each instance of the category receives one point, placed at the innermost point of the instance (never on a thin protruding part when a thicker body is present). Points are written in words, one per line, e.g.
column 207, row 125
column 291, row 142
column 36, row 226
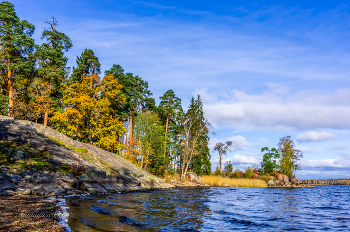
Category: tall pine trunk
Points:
column 46, row 118
column 10, row 86
column 131, row 134
column 166, row 132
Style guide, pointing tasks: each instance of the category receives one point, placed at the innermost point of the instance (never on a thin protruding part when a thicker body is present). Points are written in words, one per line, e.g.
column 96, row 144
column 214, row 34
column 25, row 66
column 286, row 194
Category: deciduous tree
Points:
column 88, row 116
column 222, row 148
column 193, row 126
column 269, row 160
column 290, row 156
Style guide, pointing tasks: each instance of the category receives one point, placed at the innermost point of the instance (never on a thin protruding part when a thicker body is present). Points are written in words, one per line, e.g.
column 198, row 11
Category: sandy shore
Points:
column 26, row 213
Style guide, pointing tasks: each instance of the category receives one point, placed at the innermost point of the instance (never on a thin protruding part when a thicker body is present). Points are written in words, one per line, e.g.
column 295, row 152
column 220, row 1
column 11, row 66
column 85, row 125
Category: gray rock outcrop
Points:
column 105, row 172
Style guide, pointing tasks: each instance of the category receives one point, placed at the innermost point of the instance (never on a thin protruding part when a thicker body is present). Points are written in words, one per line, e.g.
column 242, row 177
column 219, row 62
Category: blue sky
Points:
column 264, row 69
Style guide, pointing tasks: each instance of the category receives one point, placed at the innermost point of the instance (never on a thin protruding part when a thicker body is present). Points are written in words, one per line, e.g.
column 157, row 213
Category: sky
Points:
column 264, row 69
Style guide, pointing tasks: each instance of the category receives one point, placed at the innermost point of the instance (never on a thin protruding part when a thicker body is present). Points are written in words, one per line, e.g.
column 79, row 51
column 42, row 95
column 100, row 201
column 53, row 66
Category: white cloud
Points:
column 315, row 136
column 245, row 159
column 269, row 111
column 304, row 149
column 326, row 164
column 205, row 96
column 239, row 143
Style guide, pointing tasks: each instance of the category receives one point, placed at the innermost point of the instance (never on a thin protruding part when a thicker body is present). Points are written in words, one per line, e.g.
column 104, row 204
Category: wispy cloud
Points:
column 315, row 136
column 305, row 149
column 270, row 111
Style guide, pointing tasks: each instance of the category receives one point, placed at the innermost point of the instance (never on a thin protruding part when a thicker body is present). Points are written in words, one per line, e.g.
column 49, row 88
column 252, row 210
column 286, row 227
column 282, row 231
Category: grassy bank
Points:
column 218, row 181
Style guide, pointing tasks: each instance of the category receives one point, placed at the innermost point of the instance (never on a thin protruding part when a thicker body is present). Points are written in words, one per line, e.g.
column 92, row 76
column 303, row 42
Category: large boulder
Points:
column 282, row 177
column 271, row 183
column 295, row 181
column 193, row 178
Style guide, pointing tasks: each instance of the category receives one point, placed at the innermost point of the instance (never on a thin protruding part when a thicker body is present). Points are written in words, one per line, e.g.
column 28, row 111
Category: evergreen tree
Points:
column 193, row 127
column 52, row 63
column 201, row 163
column 169, row 108
column 135, row 91
column 87, row 63
column 16, row 46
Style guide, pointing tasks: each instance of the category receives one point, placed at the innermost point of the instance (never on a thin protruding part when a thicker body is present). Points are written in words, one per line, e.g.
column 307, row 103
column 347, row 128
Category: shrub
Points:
column 233, row 175
column 217, row 171
column 228, row 167
column 249, row 173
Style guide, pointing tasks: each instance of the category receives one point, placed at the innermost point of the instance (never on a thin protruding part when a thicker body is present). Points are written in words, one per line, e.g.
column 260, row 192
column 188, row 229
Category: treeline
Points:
column 340, row 181
column 37, row 85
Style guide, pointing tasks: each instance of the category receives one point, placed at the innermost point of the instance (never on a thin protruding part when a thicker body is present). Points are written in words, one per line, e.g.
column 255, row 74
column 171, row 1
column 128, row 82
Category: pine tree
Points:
column 169, row 108
column 135, row 91
column 16, row 46
column 193, row 127
column 201, row 163
column 52, row 64
column 87, row 63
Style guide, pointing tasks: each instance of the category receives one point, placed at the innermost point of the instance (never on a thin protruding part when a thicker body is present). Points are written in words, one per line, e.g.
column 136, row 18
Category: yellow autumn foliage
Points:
column 88, row 113
column 38, row 105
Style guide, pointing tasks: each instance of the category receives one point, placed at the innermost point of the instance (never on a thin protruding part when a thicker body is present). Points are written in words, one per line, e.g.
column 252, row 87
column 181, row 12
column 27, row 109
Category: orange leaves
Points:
column 40, row 103
column 88, row 113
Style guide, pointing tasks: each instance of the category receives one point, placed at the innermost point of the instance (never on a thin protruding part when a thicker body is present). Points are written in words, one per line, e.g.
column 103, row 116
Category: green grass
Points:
column 32, row 159
column 87, row 156
column 77, row 149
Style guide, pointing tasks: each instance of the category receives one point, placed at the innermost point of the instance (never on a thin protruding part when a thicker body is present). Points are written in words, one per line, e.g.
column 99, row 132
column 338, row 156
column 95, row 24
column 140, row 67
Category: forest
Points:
column 113, row 110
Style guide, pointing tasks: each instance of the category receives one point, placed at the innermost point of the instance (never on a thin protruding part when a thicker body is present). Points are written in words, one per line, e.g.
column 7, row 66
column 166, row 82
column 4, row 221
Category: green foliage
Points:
column 228, row 167
column 136, row 94
column 194, row 138
column 3, row 104
column 200, row 163
column 149, row 133
column 16, row 47
column 237, row 174
column 269, row 164
column 249, row 173
column 87, row 63
column 289, row 158
column 170, row 110
column 51, row 60
column 217, row 171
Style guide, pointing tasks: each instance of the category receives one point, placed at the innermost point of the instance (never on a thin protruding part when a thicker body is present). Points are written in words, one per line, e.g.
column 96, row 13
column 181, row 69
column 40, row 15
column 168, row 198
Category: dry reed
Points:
column 218, row 181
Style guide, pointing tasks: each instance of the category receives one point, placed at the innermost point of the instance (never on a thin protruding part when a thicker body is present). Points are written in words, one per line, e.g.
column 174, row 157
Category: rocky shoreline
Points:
column 282, row 181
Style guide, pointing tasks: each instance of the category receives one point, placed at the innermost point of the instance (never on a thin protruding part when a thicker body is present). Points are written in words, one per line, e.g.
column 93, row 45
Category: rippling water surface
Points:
column 215, row 209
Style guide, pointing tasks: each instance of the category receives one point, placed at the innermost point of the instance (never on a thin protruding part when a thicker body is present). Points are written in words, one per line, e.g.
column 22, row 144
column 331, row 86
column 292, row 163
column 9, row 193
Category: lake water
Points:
column 215, row 209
